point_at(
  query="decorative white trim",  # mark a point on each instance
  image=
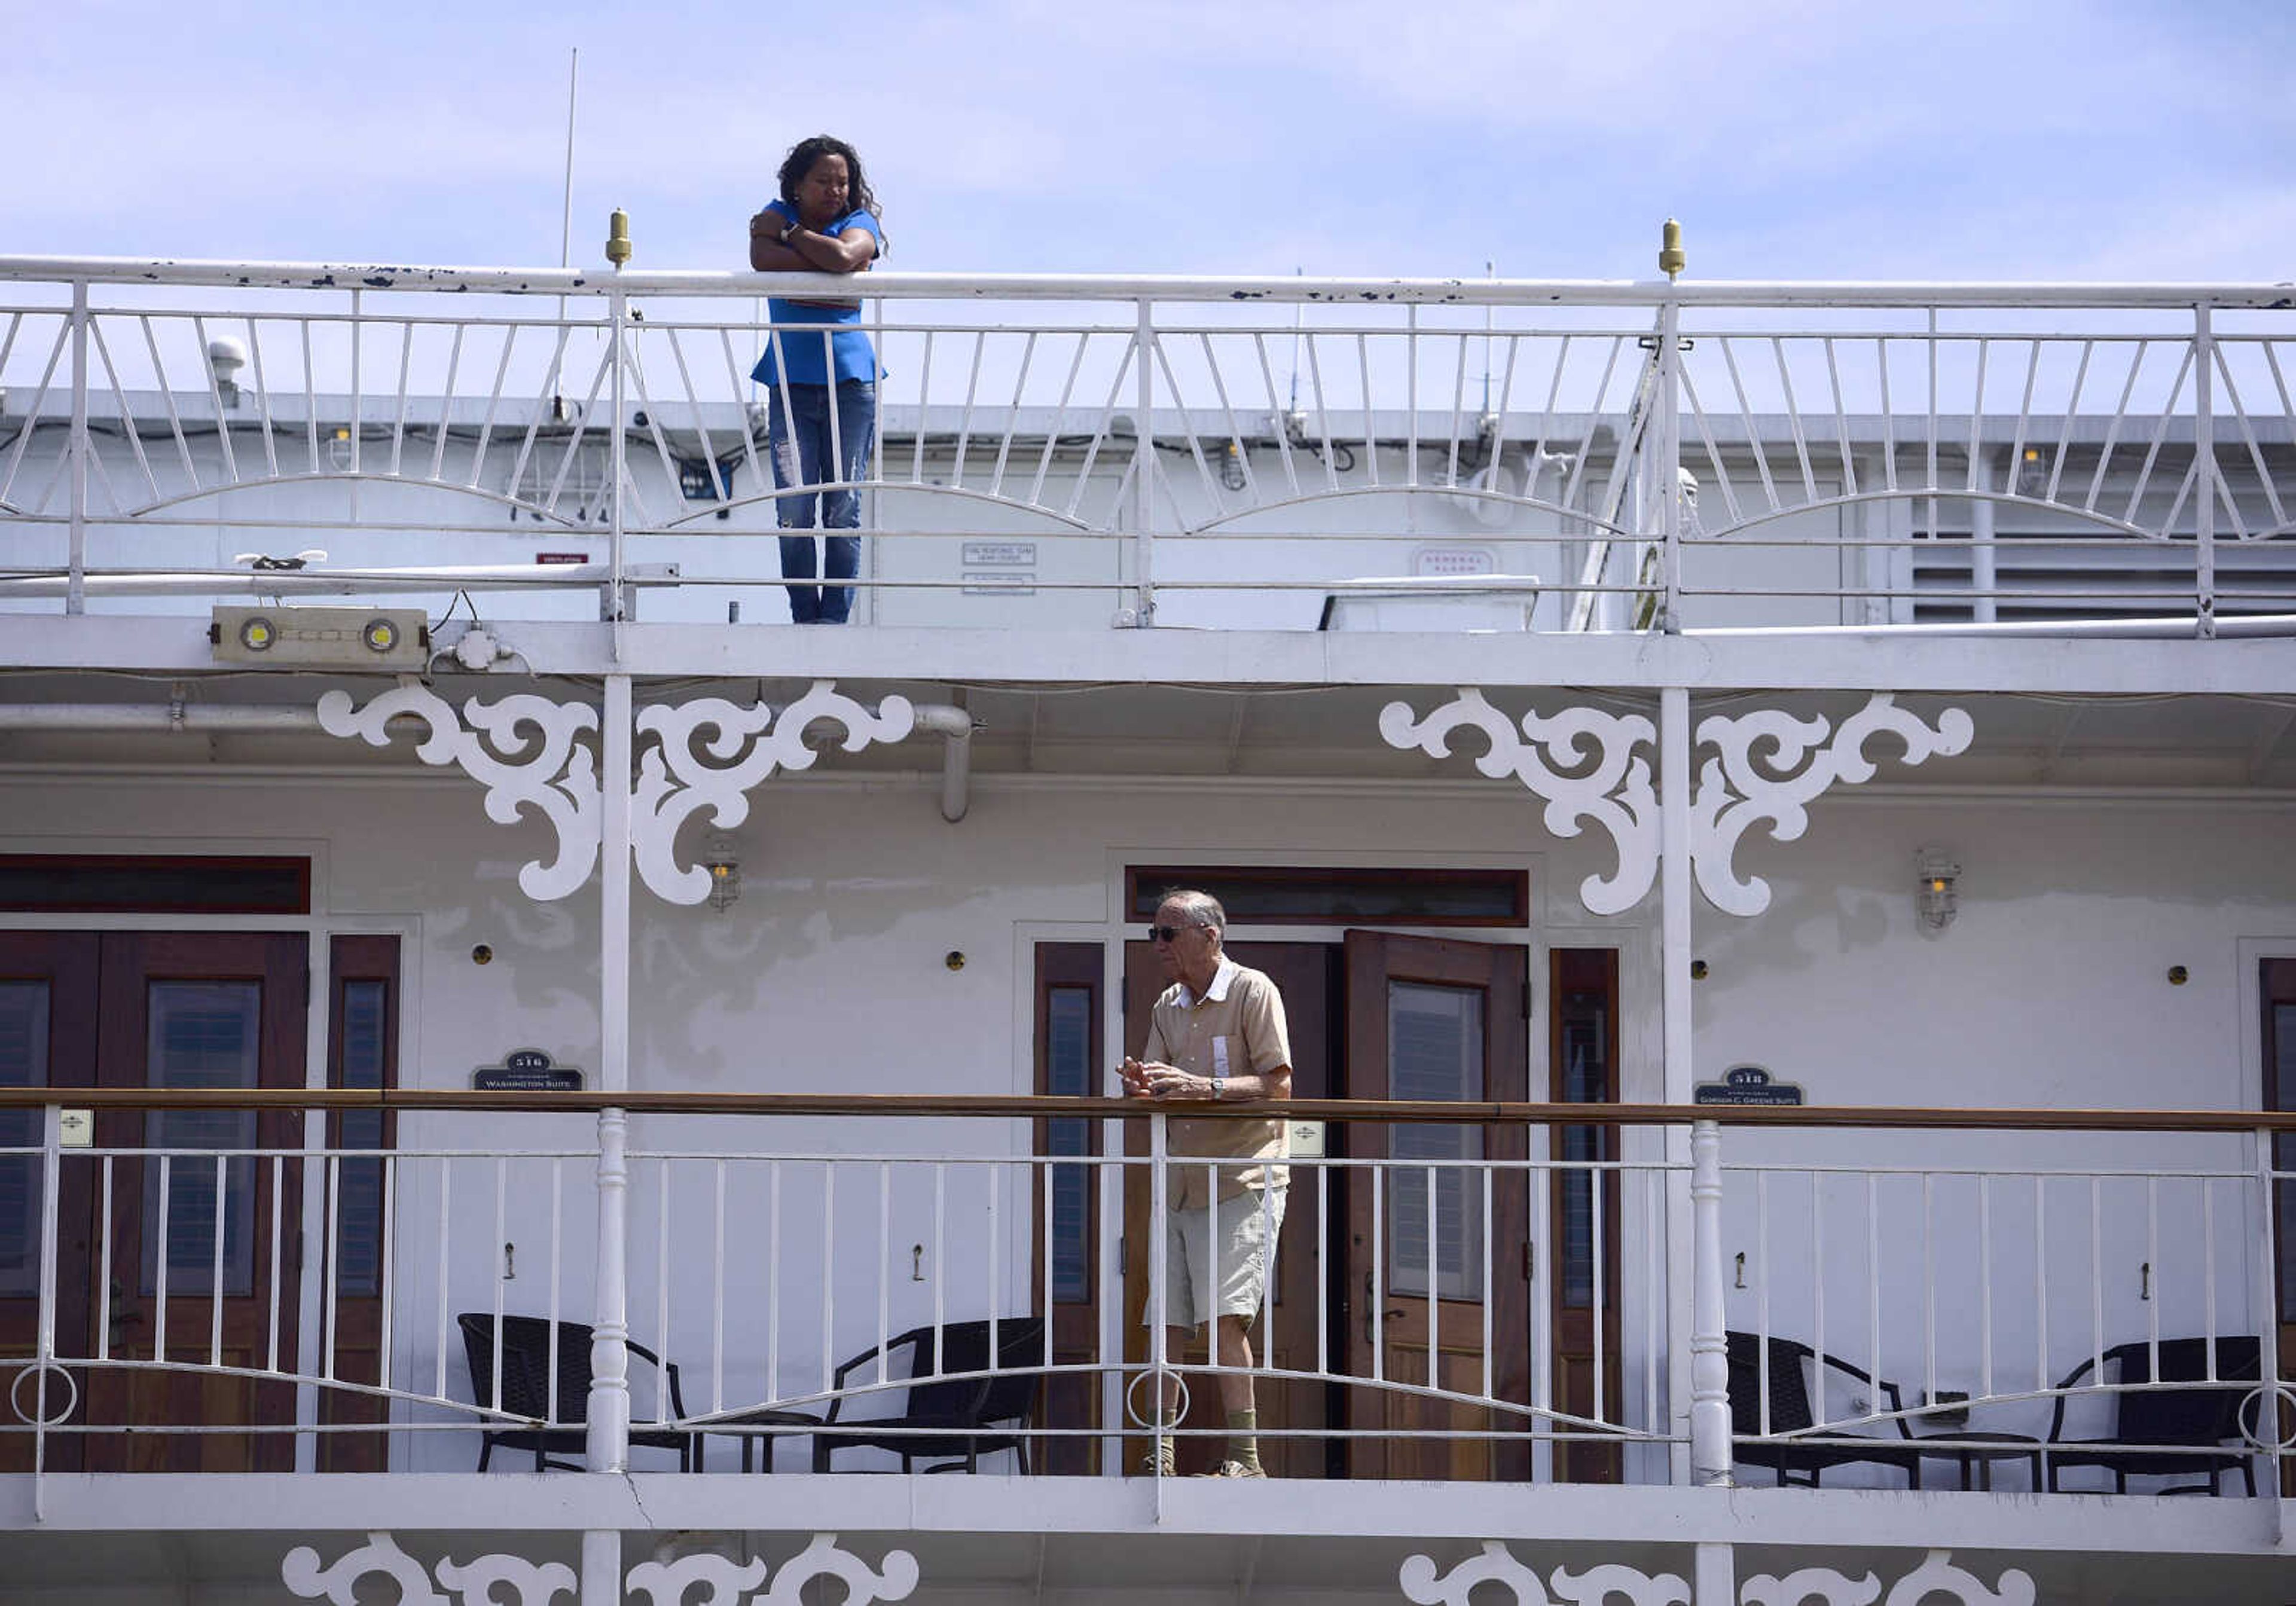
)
(1741, 788)
(526, 750)
(1820, 1585)
(548, 771)
(1605, 781)
(1598, 777)
(663, 1583)
(678, 779)
(1936, 1576)
(1498, 1565)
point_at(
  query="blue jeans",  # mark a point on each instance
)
(802, 453)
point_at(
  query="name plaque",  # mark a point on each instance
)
(1746, 1084)
(526, 1070)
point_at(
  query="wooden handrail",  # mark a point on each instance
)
(1007, 1106)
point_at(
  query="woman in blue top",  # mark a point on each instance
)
(822, 388)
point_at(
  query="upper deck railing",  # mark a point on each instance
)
(1570, 455)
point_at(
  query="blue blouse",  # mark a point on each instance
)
(801, 349)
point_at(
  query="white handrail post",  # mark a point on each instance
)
(2270, 1417)
(1144, 469)
(76, 584)
(1159, 1291)
(1709, 1366)
(45, 1343)
(2204, 470)
(1683, 1269)
(607, 1445)
(1670, 467)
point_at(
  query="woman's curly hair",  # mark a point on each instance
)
(799, 162)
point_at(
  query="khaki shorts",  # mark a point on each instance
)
(1244, 1235)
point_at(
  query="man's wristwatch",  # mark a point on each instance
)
(1219, 1088)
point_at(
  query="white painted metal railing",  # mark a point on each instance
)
(1197, 450)
(1988, 1298)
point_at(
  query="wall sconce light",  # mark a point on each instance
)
(1937, 877)
(725, 867)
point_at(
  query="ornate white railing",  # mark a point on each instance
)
(1653, 455)
(1922, 1315)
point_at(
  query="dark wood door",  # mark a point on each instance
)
(2278, 992)
(1583, 1255)
(1292, 1414)
(362, 1054)
(1433, 1260)
(203, 1253)
(47, 1038)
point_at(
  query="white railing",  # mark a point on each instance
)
(1586, 455)
(1871, 1321)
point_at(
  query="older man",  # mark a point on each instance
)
(1217, 1035)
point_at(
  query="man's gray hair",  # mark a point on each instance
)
(1202, 909)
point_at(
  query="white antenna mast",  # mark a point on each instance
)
(566, 216)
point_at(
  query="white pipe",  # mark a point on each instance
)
(283, 583)
(953, 725)
(2130, 629)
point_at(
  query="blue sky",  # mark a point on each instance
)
(2074, 139)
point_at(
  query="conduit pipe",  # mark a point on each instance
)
(953, 725)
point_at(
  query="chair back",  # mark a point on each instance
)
(2182, 1416)
(1790, 1407)
(526, 1366)
(965, 1347)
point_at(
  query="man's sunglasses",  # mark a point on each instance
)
(1167, 933)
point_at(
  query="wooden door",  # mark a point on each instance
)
(362, 1054)
(1303, 974)
(1439, 1020)
(203, 1256)
(1583, 1283)
(1065, 1270)
(2278, 992)
(47, 1038)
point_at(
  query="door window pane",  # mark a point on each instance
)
(1068, 1074)
(1586, 1079)
(1435, 1051)
(23, 1063)
(202, 1034)
(358, 1224)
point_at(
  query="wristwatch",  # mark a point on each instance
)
(1219, 1088)
(789, 228)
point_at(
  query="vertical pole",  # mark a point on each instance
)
(1669, 466)
(1709, 1366)
(609, 1442)
(1674, 994)
(616, 601)
(1714, 1580)
(602, 1567)
(1158, 1291)
(2271, 1421)
(1143, 471)
(76, 584)
(52, 1153)
(2204, 468)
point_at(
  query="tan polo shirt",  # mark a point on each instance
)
(1236, 1029)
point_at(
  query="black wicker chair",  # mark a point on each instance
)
(1807, 1453)
(2163, 1432)
(526, 1390)
(944, 1418)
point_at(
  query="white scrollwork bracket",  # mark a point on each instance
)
(523, 748)
(1768, 768)
(527, 751)
(1772, 765)
(683, 775)
(1937, 1575)
(823, 1558)
(1582, 762)
(301, 1573)
(1498, 1565)
(668, 1583)
(1810, 1587)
